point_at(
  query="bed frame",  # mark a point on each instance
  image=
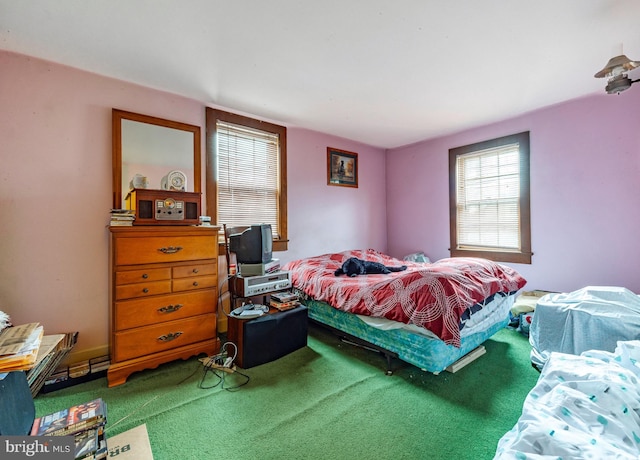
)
(355, 341)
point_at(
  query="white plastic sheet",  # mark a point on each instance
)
(592, 318)
(583, 407)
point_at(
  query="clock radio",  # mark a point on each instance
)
(164, 207)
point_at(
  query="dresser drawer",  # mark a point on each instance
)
(142, 312)
(196, 282)
(195, 270)
(139, 276)
(157, 249)
(142, 341)
(131, 291)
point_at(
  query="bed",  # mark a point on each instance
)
(583, 406)
(430, 315)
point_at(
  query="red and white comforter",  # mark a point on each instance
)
(433, 296)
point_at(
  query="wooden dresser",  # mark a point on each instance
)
(164, 296)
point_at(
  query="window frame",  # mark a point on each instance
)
(211, 186)
(523, 255)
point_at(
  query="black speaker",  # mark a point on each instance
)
(269, 337)
(192, 211)
(145, 211)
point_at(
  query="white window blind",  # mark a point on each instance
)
(247, 176)
(488, 198)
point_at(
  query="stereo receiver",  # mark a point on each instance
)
(258, 285)
(164, 207)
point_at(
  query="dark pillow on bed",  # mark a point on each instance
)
(354, 267)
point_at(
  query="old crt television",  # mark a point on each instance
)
(253, 246)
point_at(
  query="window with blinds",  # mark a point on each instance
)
(246, 173)
(248, 176)
(490, 199)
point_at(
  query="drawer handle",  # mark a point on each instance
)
(170, 249)
(145, 276)
(170, 308)
(169, 337)
(195, 270)
(195, 283)
(145, 290)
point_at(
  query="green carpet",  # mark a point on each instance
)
(329, 400)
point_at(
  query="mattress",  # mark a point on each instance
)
(484, 314)
(428, 353)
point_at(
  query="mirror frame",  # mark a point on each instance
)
(117, 117)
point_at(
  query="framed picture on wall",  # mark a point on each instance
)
(342, 167)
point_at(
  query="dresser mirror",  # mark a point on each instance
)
(146, 149)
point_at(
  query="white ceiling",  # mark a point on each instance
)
(386, 73)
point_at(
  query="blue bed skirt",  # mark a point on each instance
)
(428, 354)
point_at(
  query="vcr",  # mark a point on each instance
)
(257, 285)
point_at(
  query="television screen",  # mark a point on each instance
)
(253, 246)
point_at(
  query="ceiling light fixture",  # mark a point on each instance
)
(615, 70)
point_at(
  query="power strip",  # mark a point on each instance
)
(228, 369)
(218, 362)
(211, 360)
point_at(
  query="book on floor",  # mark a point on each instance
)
(86, 443)
(72, 420)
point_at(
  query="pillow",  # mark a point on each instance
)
(419, 257)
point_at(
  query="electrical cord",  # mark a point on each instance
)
(222, 292)
(111, 426)
(220, 365)
(141, 406)
(220, 375)
(223, 358)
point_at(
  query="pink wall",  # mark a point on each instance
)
(324, 218)
(55, 192)
(585, 192)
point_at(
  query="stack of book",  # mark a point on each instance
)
(90, 366)
(122, 217)
(284, 300)
(99, 364)
(26, 348)
(56, 379)
(53, 350)
(19, 346)
(85, 422)
(80, 372)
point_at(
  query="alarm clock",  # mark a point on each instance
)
(174, 180)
